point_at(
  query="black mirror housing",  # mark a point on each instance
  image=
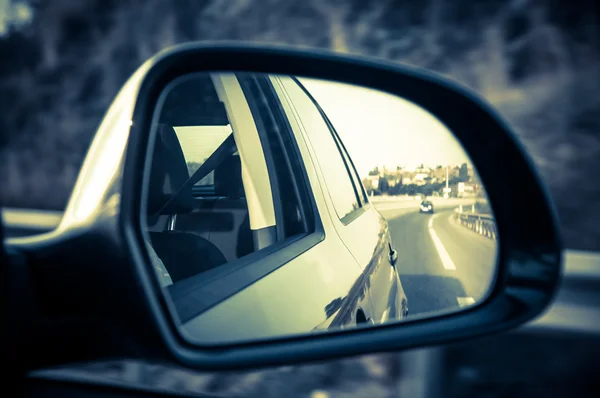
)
(530, 249)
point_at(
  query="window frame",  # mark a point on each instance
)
(357, 181)
(354, 214)
(274, 111)
(294, 162)
(252, 101)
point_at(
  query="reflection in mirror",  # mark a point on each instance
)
(280, 206)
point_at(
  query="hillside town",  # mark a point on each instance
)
(449, 181)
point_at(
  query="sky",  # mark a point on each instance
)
(379, 129)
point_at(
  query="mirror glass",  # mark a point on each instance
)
(280, 205)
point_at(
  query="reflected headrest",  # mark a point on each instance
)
(228, 178)
(169, 172)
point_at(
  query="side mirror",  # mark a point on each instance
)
(226, 237)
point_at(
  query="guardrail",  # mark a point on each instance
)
(483, 224)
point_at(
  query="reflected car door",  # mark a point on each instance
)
(382, 277)
(321, 287)
(364, 232)
(356, 304)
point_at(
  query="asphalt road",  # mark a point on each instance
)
(442, 265)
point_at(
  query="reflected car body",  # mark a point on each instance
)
(426, 207)
(342, 274)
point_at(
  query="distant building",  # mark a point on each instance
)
(371, 182)
(466, 189)
(421, 178)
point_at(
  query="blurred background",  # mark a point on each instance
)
(537, 62)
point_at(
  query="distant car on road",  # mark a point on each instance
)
(426, 207)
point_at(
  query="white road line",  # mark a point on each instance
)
(465, 301)
(444, 256)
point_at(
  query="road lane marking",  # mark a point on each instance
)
(465, 301)
(444, 256)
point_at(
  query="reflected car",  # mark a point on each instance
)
(233, 221)
(426, 207)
